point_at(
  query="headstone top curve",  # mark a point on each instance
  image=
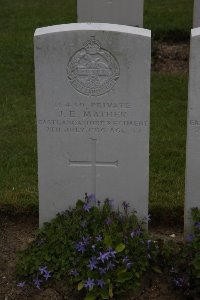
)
(94, 27)
(195, 32)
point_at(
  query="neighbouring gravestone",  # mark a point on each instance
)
(196, 13)
(192, 197)
(126, 12)
(92, 92)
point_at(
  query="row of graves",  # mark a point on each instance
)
(93, 109)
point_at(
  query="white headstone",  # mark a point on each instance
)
(92, 90)
(196, 14)
(126, 12)
(192, 197)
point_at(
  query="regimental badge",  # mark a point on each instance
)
(92, 70)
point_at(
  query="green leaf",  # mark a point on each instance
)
(137, 275)
(124, 277)
(121, 270)
(79, 204)
(157, 270)
(110, 290)
(90, 296)
(80, 285)
(105, 293)
(108, 240)
(120, 247)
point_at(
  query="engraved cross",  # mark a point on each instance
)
(93, 163)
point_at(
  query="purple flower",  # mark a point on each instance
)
(92, 263)
(86, 207)
(125, 205)
(106, 255)
(129, 265)
(178, 282)
(47, 275)
(103, 256)
(136, 232)
(126, 261)
(102, 271)
(149, 218)
(21, 284)
(110, 266)
(112, 253)
(74, 272)
(92, 198)
(85, 240)
(37, 282)
(100, 283)
(80, 247)
(89, 283)
(43, 270)
(99, 238)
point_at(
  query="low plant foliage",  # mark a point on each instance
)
(92, 247)
(182, 261)
(103, 252)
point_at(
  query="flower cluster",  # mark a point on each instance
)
(41, 275)
(101, 250)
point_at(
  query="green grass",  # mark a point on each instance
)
(167, 145)
(18, 153)
(169, 19)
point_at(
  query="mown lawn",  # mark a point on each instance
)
(18, 153)
(171, 19)
(167, 145)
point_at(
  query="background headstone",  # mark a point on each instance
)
(196, 13)
(126, 12)
(192, 197)
(92, 91)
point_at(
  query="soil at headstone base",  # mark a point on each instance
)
(16, 233)
(168, 57)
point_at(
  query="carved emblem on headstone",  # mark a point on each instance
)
(92, 70)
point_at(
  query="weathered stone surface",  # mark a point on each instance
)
(196, 13)
(92, 90)
(126, 12)
(192, 198)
